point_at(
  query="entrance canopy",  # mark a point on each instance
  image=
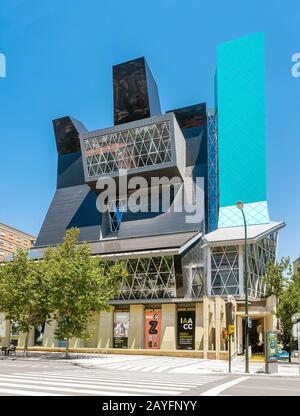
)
(236, 235)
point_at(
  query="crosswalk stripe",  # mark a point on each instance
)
(112, 378)
(27, 393)
(27, 389)
(94, 390)
(100, 382)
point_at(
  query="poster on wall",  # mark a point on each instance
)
(186, 330)
(39, 335)
(121, 326)
(152, 329)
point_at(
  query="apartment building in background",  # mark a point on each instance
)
(11, 239)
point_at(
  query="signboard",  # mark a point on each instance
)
(186, 330)
(152, 329)
(231, 329)
(271, 347)
(121, 326)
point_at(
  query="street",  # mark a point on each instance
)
(134, 376)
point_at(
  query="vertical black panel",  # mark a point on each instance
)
(134, 87)
(67, 131)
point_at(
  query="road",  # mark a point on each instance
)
(62, 378)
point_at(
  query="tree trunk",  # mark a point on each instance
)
(67, 349)
(26, 344)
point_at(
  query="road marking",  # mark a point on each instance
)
(102, 384)
(17, 392)
(26, 386)
(109, 378)
(221, 387)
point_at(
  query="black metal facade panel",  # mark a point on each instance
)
(70, 170)
(191, 116)
(71, 207)
(131, 92)
(146, 243)
(67, 131)
(153, 94)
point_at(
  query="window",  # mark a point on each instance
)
(116, 210)
(10, 236)
(2, 233)
(1, 243)
(129, 149)
(148, 278)
(225, 270)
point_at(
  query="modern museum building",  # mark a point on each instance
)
(171, 215)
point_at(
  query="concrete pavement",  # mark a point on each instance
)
(44, 374)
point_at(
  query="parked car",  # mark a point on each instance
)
(295, 354)
(282, 355)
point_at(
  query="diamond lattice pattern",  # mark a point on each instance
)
(213, 191)
(148, 278)
(129, 149)
(225, 270)
(259, 255)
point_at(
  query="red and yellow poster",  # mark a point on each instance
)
(152, 329)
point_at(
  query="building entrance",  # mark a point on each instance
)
(256, 336)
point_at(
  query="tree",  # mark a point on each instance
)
(274, 279)
(24, 293)
(288, 305)
(79, 286)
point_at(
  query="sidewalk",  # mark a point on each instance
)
(175, 365)
(159, 364)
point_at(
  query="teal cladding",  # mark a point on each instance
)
(241, 120)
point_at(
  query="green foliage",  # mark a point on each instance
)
(24, 292)
(288, 305)
(274, 279)
(79, 286)
(68, 285)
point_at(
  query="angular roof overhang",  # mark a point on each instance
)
(236, 235)
(162, 244)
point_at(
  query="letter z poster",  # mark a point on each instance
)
(152, 329)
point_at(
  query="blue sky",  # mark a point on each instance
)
(59, 58)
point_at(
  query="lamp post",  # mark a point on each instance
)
(240, 206)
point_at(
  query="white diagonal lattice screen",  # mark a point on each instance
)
(129, 149)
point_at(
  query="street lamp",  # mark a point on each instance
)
(240, 206)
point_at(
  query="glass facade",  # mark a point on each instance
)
(259, 255)
(128, 149)
(225, 270)
(148, 278)
(225, 266)
(212, 166)
(116, 210)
